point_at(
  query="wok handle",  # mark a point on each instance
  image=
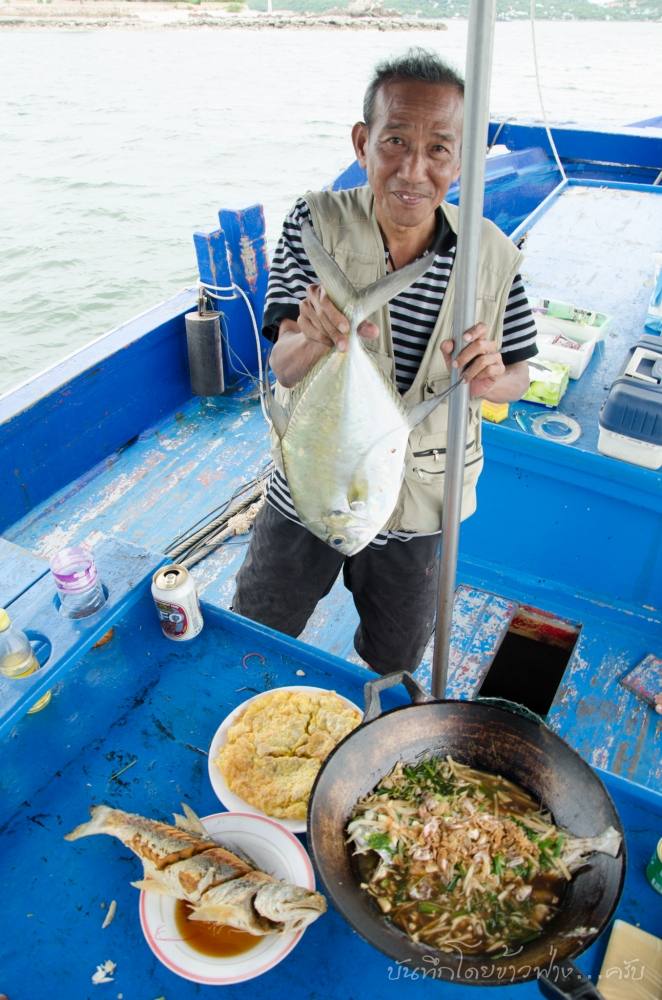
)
(570, 983)
(371, 691)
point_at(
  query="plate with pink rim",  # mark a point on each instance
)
(272, 849)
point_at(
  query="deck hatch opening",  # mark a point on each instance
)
(531, 659)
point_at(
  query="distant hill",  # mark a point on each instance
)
(507, 10)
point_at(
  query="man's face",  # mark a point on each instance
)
(411, 152)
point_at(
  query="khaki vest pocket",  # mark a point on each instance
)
(421, 500)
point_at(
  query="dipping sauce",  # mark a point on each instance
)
(208, 938)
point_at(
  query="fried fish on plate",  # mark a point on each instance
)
(184, 862)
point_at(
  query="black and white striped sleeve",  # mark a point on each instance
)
(289, 275)
(519, 328)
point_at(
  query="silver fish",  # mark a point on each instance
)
(344, 433)
(185, 862)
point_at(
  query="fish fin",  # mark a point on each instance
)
(239, 853)
(276, 412)
(380, 292)
(191, 822)
(95, 825)
(151, 885)
(422, 410)
(337, 285)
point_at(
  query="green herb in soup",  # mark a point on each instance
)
(461, 859)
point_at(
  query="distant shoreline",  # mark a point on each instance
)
(94, 14)
(85, 15)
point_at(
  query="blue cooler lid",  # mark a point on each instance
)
(634, 404)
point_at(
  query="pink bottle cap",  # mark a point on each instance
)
(73, 568)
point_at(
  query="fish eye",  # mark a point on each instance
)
(358, 506)
(337, 540)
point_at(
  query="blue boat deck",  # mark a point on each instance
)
(109, 448)
(581, 250)
(585, 250)
(131, 726)
(172, 476)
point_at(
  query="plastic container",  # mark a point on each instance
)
(567, 334)
(78, 585)
(631, 416)
(654, 315)
(548, 381)
(17, 657)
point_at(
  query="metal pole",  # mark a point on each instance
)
(474, 141)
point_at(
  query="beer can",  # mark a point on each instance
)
(654, 868)
(176, 602)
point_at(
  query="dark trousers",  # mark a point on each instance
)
(287, 570)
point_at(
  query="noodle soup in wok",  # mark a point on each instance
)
(463, 860)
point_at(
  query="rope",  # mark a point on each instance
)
(187, 543)
(498, 133)
(540, 98)
(238, 524)
(212, 292)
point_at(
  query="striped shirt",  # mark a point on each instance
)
(413, 314)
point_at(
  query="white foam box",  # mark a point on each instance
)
(628, 449)
(582, 327)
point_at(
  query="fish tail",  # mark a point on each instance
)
(336, 284)
(375, 296)
(342, 292)
(98, 823)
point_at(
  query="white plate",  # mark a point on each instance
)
(224, 793)
(273, 850)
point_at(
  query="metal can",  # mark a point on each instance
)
(654, 868)
(177, 602)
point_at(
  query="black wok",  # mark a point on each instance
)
(496, 740)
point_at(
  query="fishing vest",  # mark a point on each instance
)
(346, 225)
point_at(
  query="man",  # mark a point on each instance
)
(409, 144)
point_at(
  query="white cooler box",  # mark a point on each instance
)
(631, 415)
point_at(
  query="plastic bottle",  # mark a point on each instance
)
(17, 658)
(79, 588)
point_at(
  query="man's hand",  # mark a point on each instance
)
(320, 321)
(318, 328)
(482, 367)
(479, 361)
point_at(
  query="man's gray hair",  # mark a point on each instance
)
(417, 64)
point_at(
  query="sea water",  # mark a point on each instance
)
(118, 144)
